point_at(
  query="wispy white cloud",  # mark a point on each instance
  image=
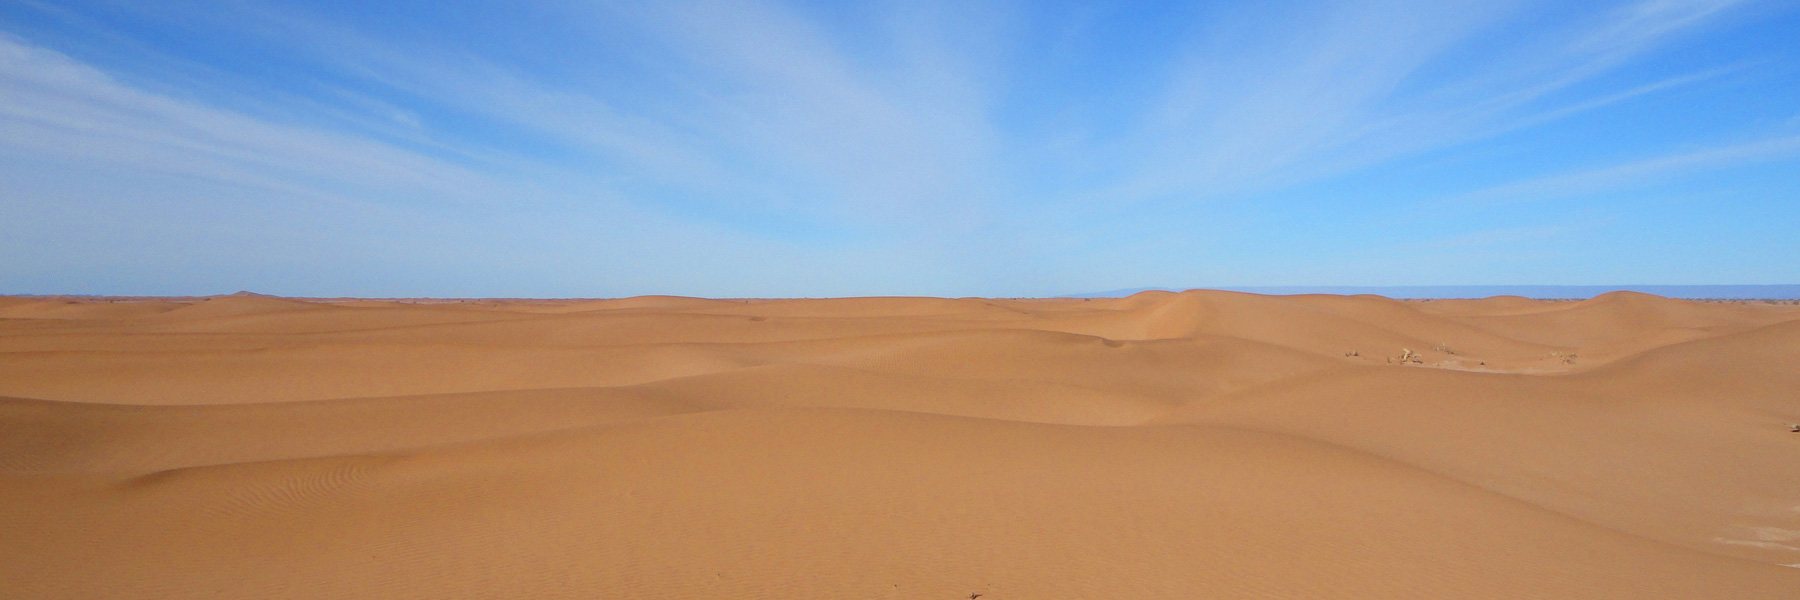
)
(51, 105)
(1562, 112)
(1637, 26)
(774, 111)
(916, 133)
(760, 107)
(1356, 86)
(1636, 173)
(894, 137)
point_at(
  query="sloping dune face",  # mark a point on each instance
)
(1193, 445)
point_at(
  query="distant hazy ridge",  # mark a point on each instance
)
(1724, 292)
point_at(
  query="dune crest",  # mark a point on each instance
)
(1163, 445)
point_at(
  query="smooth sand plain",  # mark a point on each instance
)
(1193, 445)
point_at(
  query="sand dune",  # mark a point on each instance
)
(1195, 445)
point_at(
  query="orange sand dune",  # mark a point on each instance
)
(1194, 445)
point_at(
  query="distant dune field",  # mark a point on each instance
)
(1194, 445)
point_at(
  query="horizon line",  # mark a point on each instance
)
(1398, 292)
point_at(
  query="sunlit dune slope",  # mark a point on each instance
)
(1194, 445)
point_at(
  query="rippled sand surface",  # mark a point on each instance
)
(1193, 445)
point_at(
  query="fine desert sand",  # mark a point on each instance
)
(1194, 445)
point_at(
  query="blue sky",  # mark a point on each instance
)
(448, 148)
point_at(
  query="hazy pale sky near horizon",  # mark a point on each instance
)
(561, 148)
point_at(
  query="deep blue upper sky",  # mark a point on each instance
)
(855, 148)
